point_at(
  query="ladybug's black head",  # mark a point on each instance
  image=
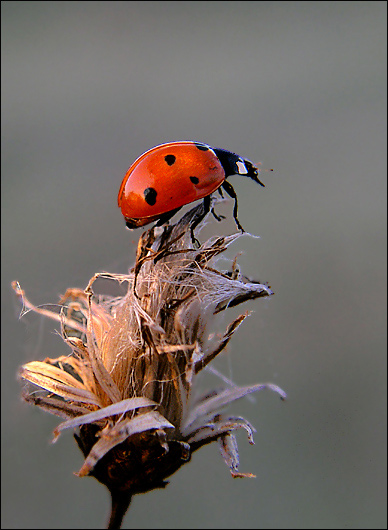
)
(235, 165)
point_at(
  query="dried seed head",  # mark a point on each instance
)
(127, 384)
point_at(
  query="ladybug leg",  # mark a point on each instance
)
(167, 216)
(206, 210)
(230, 191)
(216, 216)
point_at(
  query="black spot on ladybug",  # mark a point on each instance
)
(201, 147)
(194, 180)
(170, 159)
(150, 196)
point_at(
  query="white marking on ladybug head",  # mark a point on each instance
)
(242, 170)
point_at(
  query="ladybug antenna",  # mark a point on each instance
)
(257, 166)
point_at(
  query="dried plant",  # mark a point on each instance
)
(127, 385)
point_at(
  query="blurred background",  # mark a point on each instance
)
(299, 86)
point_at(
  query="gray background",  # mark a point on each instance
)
(89, 86)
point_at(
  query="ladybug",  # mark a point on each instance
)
(168, 176)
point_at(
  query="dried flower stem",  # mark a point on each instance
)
(128, 382)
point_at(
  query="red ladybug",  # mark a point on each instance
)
(168, 176)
